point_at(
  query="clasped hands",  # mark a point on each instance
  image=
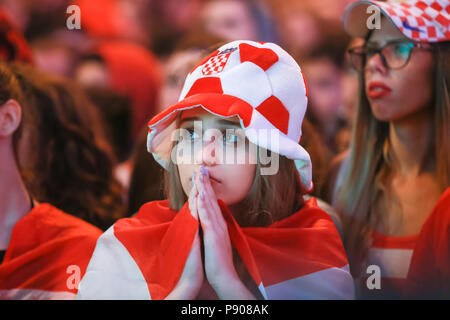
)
(217, 267)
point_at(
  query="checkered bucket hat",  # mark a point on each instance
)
(418, 20)
(261, 84)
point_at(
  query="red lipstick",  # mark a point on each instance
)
(377, 90)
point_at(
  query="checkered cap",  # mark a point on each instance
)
(258, 82)
(418, 20)
(215, 64)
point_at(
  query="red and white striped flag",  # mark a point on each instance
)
(299, 257)
(47, 255)
(429, 273)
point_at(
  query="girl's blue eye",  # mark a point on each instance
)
(402, 50)
(192, 134)
(231, 138)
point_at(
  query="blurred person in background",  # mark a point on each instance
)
(188, 52)
(169, 21)
(324, 69)
(41, 246)
(239, 20)
(133, 71)
(61, 118)
(18, 12)
(55, 56)
(37, 18)
(329, 10)
(13, 45)
(129, 69)
(65, 156)
(392, 187)
(115, 109)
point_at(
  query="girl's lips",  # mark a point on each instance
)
(208, 174)
(213, 179)
(377, 90)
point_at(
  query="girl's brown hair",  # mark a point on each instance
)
(263, 204)
(10, 89)
(368, 169)
(67, 160)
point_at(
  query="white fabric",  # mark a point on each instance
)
(328, 284)
(35, 294)
(112, 273)
(393, 263)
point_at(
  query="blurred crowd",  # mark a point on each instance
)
(128, 61)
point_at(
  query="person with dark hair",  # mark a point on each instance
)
(43, 251)
(324, 70)
(129, 69)
(239, 19)
(68, 160)
(169, 22)
(392, 187)
(13, 45)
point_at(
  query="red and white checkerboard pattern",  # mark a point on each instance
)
(428, 21)
(418, 20)
(215, 64)
(269, 87)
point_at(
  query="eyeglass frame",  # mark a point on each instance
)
(375, 50)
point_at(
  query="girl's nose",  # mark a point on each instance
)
(208, 155)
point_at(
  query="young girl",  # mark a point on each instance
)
(235, 225)
(43, 250)
(392, 187)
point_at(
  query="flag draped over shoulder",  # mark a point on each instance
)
(299, 257)
(429, 273)
(47, 255)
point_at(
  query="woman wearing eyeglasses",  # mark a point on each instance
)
(392, 187)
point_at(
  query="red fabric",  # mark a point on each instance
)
(429, 273)
(204, 85)
(306, 86)
(262, 57)
(205, 59)
(221, 104)
(98, 17)
(215, 64)
(13, 46)
(392, 242)
(133, 71)
(275, 112)
(43, 245)
(101, 18)
(159, 241)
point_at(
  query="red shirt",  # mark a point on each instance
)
(47, 255)
(415, 266)
(143, 257)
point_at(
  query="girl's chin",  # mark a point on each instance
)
(382, 111)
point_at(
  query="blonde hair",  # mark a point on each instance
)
(368, 168)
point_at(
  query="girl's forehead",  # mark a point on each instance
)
(203, 115)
